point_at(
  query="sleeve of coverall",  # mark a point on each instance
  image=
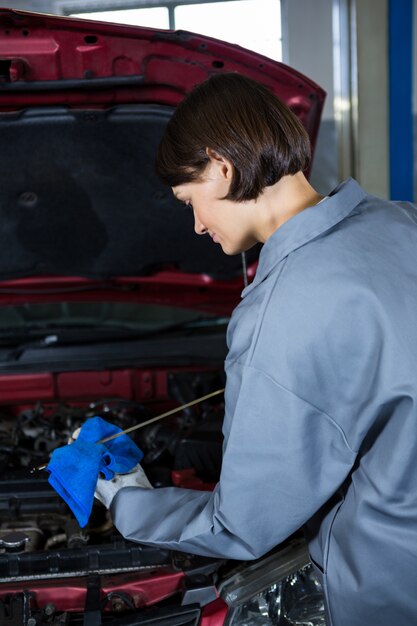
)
(283, 458)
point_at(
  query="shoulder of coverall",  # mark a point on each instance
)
(305, 226)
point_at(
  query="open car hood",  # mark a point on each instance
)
(83, 107)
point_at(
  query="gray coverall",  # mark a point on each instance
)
(321, 418)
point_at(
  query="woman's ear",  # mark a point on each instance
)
(222, 165)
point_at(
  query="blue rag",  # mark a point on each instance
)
(74, 468)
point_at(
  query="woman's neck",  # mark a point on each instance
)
(280, 202)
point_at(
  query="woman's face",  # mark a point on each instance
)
(229, 224)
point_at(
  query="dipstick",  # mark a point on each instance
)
(149, 421)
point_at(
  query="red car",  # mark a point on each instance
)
(110, 305)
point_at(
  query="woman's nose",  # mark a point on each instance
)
(199, 228)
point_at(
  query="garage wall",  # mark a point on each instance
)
(308, 47)
(40, 6)
(346, 42)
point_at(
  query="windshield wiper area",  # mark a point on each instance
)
(44, 342)
(39, 338)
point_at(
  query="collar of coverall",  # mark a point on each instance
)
(307, 225)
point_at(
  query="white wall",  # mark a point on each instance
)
(356, 143)
(309, 45)
(308, 48)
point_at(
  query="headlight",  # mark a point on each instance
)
(279, 590)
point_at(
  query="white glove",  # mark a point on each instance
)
(107, 489)
(74, 435)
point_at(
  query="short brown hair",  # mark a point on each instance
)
(242, 121)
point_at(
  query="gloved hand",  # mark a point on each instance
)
(73, 469)
(107, 489)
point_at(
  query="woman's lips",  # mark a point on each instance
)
(215, 238)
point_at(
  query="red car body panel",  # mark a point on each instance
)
(147, 385)
(70, 594)
(198, 291)
(214, 614)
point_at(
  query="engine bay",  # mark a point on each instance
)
(48, 564)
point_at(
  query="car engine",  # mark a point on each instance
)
(40, 539)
